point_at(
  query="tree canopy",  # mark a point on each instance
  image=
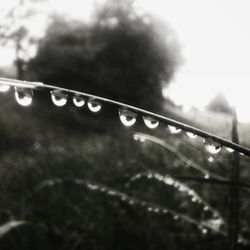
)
(120, 55)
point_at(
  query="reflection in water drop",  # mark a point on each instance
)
(94, 105)
(174, 130)
(191, 135)
(127, 117)
(23, 96)
(150, 122)
(4, 88)
(212, 146)
(78, 100)
(230, 150)
(59, 98)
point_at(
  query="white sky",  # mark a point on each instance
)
(215, 40)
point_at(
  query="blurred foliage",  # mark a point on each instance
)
(121, 55)
(220, 104)
(15, 30)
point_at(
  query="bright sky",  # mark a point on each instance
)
(215, 40)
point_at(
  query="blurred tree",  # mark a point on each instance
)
(15, 30)
(121, 55)
(220, 104)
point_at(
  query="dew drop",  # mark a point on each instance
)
(4, 88)
(191, 135)
(94, 105)
(58, 97)
(206, 208)
(128, 118)
(174, 130)
(150, 209)
(139, 138)
(150, 122)
(78, 100)
(23, 96)
(211, 158)
(207, 176)
(136, 137)
(212, 147)
(230, 150)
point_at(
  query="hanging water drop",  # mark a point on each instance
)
(150, 122)
(174, 130)
(23, 96)
(191, 135)
(212, 146)
(230, 150)
(210, 158)
(4, 88)
(127, 117)
(94, 105)
(59, 98)
(207, 176)
(78, 100)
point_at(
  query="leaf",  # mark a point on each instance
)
(7, 227)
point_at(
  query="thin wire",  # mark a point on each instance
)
(183, 126)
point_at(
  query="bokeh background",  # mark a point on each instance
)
(74, 179)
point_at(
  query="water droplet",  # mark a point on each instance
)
(4, 88)
(94, 105)
(139, 138)
(206, 208)
(136, 137)
(23, 96)
(194, 199)
(127, 117)
(174, 130)
(150, 122)
(131, 202)
(156, 210)
(210, 158)
(78, 100)
(207, 176)
(150, 209)
(191, 135)
(212, 147)
(230, 150)
(176, 217)
(204, 231)
(59, 98)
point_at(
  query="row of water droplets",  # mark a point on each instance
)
(133, 202)
(168, 180)
(128, 118)
(59, 98)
